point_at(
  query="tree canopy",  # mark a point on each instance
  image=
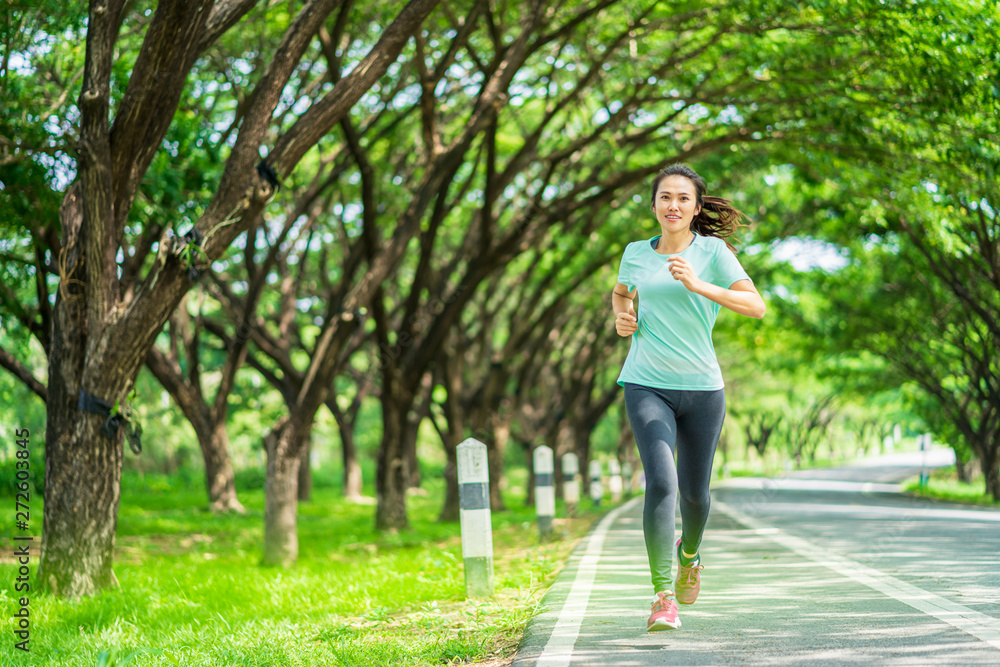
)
(423, 203)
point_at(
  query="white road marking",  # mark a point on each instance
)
(968, 620)
(794, 484)
(887, 511)
(558, 650)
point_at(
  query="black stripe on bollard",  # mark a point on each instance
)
(474, 496)
(543, 479)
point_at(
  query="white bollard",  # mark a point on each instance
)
(545, 493)
(924, 441)
(571, 487)
(477, 529)
(615, 480)
(596, 488)
(627, 478)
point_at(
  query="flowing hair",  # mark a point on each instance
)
(718, 217)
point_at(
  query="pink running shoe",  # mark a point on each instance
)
(688, 582)
(664, 616)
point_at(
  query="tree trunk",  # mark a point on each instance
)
(219, 475)
(392, 475)
(962, 466)
(529, 455)
(410, 430)
(451, 435)
(494, 461)
(209, 427)
(991, 470)
(352, 469)
(450, 511)
(559, 480)
(305, 473)
(82, 466)
(281, 541)
(82, 490)
(582, 449)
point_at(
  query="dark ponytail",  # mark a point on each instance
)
(718, 217)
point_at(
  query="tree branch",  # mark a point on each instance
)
(328, 111)
(8, 361)
(224, 15)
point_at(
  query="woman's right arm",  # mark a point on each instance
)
(621, 303)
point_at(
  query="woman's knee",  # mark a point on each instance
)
(698, 502)
(661, 486)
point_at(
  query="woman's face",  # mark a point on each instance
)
(675, 204)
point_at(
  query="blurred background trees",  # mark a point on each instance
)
(423, 251)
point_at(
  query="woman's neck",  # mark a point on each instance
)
(673, 243)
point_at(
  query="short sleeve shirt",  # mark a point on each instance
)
(672, 348)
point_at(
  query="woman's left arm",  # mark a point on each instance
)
(741, 297)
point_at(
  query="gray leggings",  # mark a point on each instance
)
(660, 418)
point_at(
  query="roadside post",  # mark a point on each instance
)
(596, 488)
(925, 444)
(571, 486)
(627, 479)
(545, 493)
(477, 530)
(615, 480)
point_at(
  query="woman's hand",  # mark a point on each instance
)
(681, 270)
(626, 323)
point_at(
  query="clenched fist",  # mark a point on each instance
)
(626, 323)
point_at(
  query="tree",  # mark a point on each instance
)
(104, 322)
(937, 333)
(759, 427)
(207, 417)
(531, 122)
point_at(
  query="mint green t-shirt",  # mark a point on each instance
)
(672, 348)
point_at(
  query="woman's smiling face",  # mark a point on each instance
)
(676, 203)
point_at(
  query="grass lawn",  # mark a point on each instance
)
(192, 591)
(943, 484)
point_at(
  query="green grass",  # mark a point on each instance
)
(943, 484)
(193, 593)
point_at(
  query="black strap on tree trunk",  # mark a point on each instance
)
(109, 429)
(193, 236)
(268, 173)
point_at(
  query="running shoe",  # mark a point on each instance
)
(664, 616)
(688, 582)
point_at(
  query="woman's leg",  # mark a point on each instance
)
(699, 423)
(655, 429)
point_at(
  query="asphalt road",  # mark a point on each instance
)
(831, 567)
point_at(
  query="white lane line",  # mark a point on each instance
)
(968, 620)
(558, 650)
(794, 484)
(889, 511)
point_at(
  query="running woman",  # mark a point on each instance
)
(673, 385)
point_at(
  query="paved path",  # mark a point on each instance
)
(832, 567)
